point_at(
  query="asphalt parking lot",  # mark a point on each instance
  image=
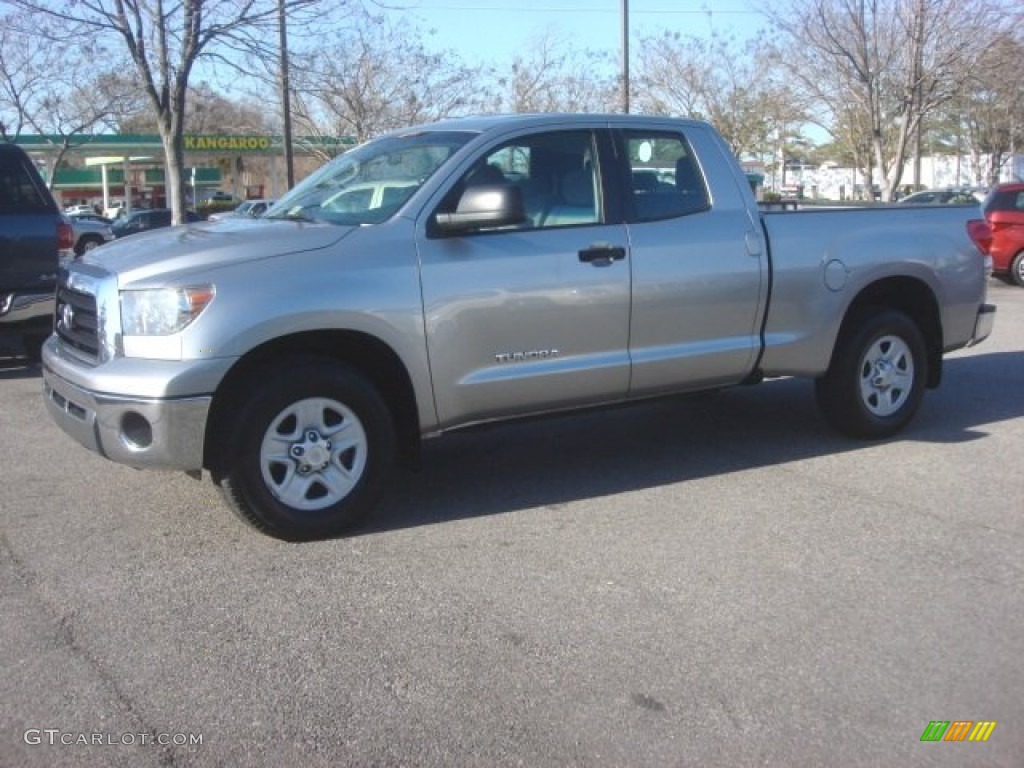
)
(712, 581)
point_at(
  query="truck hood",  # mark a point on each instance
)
(162, 252)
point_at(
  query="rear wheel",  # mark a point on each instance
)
(87, 243)
(1017, 269)
(310, 450)
(875, 382)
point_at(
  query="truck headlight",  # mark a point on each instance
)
(163, 311)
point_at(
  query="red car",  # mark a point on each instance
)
(1004, 209)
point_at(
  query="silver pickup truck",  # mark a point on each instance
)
(485, 269)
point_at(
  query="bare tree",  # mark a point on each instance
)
(846, 122)
(63, 90)
(553, 76)
(208, 111)
(720, 81)
(128, 110)
(674, 73)
(783, 114)
(163, 41)
(893, 61)
(69, 109)
(25, 69)
(378, 75)
(990, 110)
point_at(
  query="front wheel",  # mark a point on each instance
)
(309, 453)
(875, 382)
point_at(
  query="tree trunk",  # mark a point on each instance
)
(895, 171)
(172, 137)
(878, 147)
(174, 161)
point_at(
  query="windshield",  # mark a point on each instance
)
(368, 184)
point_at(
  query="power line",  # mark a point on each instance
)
(550, 9)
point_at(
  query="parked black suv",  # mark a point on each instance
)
(34, 236)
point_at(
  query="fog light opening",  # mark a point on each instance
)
(136, 432)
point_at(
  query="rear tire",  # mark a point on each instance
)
(87, 243)
(875, 382)
(1017, 269)
(309, 451)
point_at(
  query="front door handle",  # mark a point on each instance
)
(602, 254)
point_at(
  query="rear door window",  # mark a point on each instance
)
(1006, 200)
(665, 178)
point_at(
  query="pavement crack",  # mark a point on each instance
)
(66, 636)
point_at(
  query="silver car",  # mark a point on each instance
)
(91, 231)
(250, 208)
(947, 196)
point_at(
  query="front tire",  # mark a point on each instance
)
(309, 451)
(875, 382)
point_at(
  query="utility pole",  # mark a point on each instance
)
(625, 57)
(286, 105)
(917, 95)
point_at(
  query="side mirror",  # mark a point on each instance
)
(484, 205)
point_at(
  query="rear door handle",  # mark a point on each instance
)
(602, 254)
(753, 243)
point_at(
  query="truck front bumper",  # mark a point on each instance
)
(166, 432)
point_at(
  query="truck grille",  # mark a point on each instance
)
(76, 320)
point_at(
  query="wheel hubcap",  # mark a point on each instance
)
(886, 376)
(313, 453)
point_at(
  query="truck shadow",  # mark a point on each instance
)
(545, 463)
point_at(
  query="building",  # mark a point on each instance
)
(100, 169)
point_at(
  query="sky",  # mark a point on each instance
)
(482, 31)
